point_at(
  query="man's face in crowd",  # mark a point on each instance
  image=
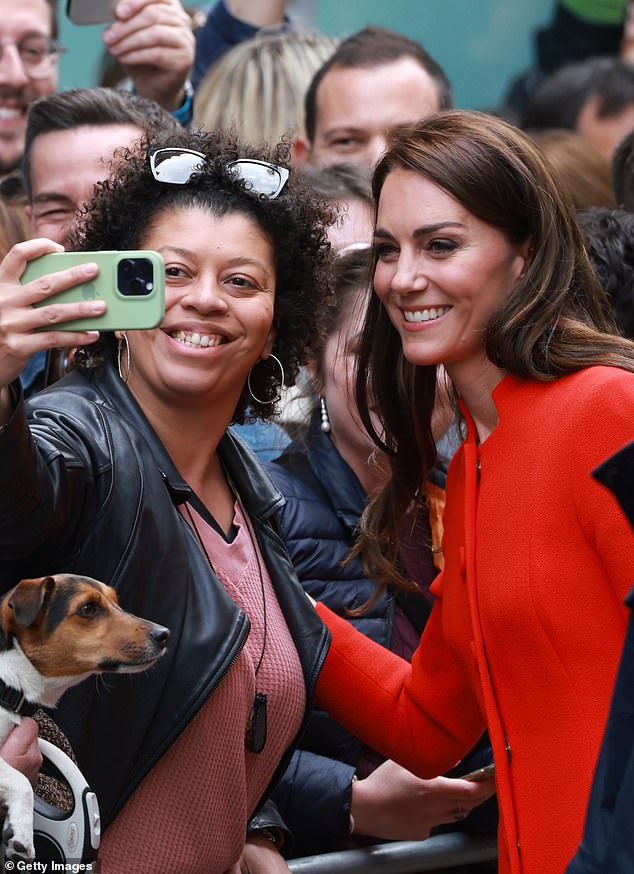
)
(606, 132)
(65, 167)
(357, 106)
(18, 19)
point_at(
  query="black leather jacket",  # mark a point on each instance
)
(87, 487)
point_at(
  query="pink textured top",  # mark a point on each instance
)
(190, 813)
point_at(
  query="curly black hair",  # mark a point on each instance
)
(609, 239)
(125, 206)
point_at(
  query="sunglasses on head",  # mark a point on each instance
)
(177, 167)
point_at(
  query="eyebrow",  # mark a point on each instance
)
(47, 196)
(424, 230)
(176, 250)
(29, 33)
(342, 129)
(187, 253)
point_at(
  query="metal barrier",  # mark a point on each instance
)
(402, 857)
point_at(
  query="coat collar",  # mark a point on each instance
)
(260, 496)
(503, 393)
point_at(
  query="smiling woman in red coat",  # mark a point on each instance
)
(480, 268)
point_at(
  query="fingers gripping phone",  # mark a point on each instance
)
(480, 774)
(131, 283)
(91, 11)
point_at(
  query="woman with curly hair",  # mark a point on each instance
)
(125, 470)
(480, 267)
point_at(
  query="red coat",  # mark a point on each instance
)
(527, 629)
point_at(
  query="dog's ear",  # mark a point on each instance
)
(28, 599)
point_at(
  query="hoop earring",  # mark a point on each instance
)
(325, 420)
(120, 341)
(279, 391)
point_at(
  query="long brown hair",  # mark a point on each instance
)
(555, 320)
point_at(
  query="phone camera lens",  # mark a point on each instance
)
(135, 277)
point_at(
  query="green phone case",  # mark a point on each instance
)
(125, 311)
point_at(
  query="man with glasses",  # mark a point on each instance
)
(152, 39)
(28, 69)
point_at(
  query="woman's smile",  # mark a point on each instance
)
(200, 341)
(198, 335)
(425, 314)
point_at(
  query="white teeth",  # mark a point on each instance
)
(196, 339)
(5, 112)
(425, 315)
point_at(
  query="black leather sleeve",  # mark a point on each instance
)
(269, 817)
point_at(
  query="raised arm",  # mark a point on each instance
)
(21, 334)
(230, 22)
(424, 715)
(154, 42)
(260, 13)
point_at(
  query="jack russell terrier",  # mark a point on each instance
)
(54, 632)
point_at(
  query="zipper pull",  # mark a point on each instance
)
(478, 468)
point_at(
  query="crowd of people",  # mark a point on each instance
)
(373, 469)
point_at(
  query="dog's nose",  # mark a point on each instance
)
(160, 636)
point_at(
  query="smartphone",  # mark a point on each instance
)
(131, 283)
(480, 774)
(91, 11)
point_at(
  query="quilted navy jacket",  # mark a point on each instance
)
(324, 501)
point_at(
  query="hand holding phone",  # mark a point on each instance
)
(480, 774)
(20, 338)
(131, 283)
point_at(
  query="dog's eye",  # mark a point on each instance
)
(89, 609)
